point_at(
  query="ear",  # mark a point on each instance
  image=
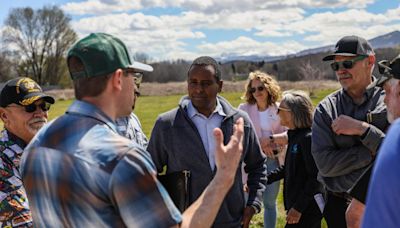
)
(371, 60)
(220, 83)
(3, 115)
(116, 79)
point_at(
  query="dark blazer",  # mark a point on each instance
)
(176, 143)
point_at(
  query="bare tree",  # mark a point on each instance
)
(308, 72)
(141, 57)
(41, 38)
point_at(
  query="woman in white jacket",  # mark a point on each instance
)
(261, 95)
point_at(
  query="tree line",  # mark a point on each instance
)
(34, 44)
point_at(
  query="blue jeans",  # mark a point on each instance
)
(270, 195)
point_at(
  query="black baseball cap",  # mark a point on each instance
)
(388, 70)
(22, 91)
(351, 46)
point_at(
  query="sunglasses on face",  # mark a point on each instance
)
(33, 107)
(347, 64)
(282, 109)
(253, 90)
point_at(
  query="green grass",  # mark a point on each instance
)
(149, 107)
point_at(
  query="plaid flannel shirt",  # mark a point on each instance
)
(78, 172)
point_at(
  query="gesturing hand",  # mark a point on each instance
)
(227, 157)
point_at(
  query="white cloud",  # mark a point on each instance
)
(165, 36)
(206, 6)
(394, 14)
(248, 46)
(101, 6)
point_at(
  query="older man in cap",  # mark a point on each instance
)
(23, 110)
(383, 198)
(348, 125)
(79, 172)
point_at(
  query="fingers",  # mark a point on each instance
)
(219, 138)
(269, 153)
(238, 129)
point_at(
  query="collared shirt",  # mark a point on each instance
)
(205, 127)
(79, 172)
(131, 128)
(14, 208)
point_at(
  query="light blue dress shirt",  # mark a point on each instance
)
(205, 127)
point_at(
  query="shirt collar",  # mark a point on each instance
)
(192, 111)
(15, 139)
(86, 109)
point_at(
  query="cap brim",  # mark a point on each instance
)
(36, 96)
(332, 56)
(141, 66)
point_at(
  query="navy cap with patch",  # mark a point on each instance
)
(22, 91)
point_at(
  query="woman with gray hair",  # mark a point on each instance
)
(302, 193)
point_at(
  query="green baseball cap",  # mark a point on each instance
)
(102, 54)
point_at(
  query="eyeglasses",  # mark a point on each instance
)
(347, 64)
(283, 109)
(253, 90)
(33, 107)
(136, 75)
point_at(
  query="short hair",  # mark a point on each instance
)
(86, 87)
(270, 84)
(207, 61)
(300, 106)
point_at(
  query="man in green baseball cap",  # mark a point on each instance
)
(79, 172)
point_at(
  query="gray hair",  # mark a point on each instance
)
(301, 107)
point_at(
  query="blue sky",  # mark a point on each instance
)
(185, 29)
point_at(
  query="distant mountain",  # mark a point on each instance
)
(225, 58)
(384, 41)
(388, 40)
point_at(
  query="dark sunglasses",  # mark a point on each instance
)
(347, 64)
(33, 107)
(253, 90)
(282, 109)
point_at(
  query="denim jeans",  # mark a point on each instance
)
(270, 195)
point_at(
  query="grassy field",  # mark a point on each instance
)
(149, 107)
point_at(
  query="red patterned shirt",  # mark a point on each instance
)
(14, 208)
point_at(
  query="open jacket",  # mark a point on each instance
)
(299, 172)
(176, 143)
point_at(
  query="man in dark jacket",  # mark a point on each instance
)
(348, 126)
(182, 140)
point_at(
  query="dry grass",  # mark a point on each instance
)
(174, 88)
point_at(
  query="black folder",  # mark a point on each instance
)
(177, 185)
